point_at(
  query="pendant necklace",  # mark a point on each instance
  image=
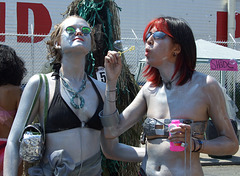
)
(168, 84)
(73, 94)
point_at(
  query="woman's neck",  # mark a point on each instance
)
(166, 71)
(73, 67)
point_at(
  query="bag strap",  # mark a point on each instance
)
(35, 99)
(46, 101)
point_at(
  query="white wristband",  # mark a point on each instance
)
(109, 120)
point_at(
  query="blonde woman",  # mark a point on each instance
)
(74, 132)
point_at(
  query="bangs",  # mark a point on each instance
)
(160, 24)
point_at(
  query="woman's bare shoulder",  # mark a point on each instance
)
(212, 83)
(10, 92)
(204, 80)
(148, 88)
(211, 87)
(9, 88)
(32, 84)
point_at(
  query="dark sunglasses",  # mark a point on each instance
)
(84, 29)
(156, 35)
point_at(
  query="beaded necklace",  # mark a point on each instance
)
(74, 94)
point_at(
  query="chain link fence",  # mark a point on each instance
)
(34, 54)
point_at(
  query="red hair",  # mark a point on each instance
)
(160, 24)
(181, 33)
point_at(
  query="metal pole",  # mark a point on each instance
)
(32, 50)
(223, 78)
(231, 36)
(136, 38)
(231, 20)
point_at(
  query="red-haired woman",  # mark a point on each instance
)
(174, 90)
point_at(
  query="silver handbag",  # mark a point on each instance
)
(32, 140)
(32, 143)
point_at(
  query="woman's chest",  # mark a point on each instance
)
(182, 101)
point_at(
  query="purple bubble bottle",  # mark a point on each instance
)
(175, 146)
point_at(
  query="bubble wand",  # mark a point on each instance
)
(118, 44)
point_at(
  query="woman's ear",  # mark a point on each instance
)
(177, 48)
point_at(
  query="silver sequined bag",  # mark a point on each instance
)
(32, 140)
(32, 143)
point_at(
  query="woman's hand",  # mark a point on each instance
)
(178, 135)
(113, 66)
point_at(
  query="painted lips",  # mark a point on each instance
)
(146, 52)
(78, 39)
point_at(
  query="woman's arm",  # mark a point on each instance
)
(11, 157)
(115, 124)
(227, 142)
(114, 150)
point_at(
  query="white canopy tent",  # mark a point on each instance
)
(209, 50)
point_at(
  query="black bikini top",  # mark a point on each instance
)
(61, 117)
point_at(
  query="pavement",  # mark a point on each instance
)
(209, 161)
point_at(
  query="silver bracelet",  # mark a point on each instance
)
(110, 100)
(111, 90)
(109, 120)
(108, 91)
